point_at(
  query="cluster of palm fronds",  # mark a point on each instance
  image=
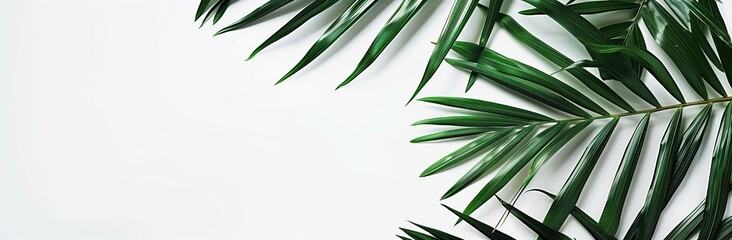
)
(511, 138)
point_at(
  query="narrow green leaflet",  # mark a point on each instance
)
(406, 11)
(440, 235)
(403, 237)
(580, 64)
(487, 107)
(483, 228)
(530, 89)
(459, 16)
(691, 222)
(202, 8)
(724, 50)
(698, 33)
(449, 134)
(464, 152)
(568, 196)
(335, 31)
(417, 235)
(313, 9)
(725, 231)
(221, 10)
(214, 8)
(583, 30)
(721, 171)
(617, 30)
(610, 219)
(583, 218)
(491, 159)
(647, 60)
(548, 152)
(706, 17)
(524, 71)
(669, 34)
(692, 139)
(635, 38)
(591, 7)
(544, 232)
(688, 226)
(266, 8)
(475, 121)
(492, 13)
(513, 166)
(661, 177)
(556, 57)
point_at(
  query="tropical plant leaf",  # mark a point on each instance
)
(493, 12)
(724, 50)
(440, 235)
(221, 10)
(463, 153)
(556, 57)
(456, 21)
(592, 7)
(417, 235)
(264, 10)
(688, 226)
(487, 107)
(568, 196)
(212, 12)
(527, 88)
(483, 228)
(617, 30)
(404, 13)
(346, 20)
(721, 171)
(648, 61)
(543, 157)
(449, 134)
(513, 166)
(584, 31)
(706, 17)
(610, 219)
(690, 144)
(202, 8)
(313, 9)
(518, 69)
(583, 218)
(661, 177)
(509, 137)
(544, 231)
(669, 34)
(491, 159)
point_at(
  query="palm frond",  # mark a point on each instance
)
(456, 21)
(679, 146)
(505, 139)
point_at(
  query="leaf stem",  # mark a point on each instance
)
(636, 19)
(652, 110)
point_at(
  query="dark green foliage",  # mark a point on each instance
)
(503, 139)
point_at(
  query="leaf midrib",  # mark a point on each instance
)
(651, 110)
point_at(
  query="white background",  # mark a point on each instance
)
(122, 120)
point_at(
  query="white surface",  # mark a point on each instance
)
(121, 120)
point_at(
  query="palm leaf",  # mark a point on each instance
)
(504, 139)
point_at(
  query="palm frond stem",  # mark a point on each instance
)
(651, 110)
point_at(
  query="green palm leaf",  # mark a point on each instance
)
(721, 171)
(459, 16)
(503, 139)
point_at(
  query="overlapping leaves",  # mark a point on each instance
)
(404, 13)
(618, 51)
(507, 139)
